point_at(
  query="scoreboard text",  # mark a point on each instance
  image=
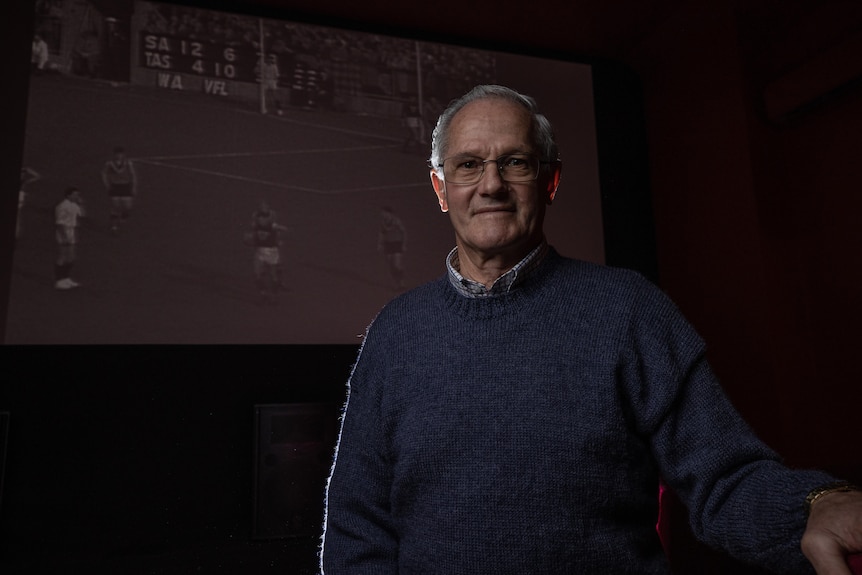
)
(207, 59)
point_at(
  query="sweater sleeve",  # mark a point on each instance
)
(358, 536)
(740, 496)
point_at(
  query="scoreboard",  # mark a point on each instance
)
(217, 68)
(183, 55)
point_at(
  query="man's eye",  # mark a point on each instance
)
(515, 162)
(468, 165)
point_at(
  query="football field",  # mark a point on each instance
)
(178, 272)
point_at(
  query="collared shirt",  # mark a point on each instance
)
(66, 215)
(504, 283)
(67, 212)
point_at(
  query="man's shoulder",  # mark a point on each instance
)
(609, 292)
(397, 321)
(602, 276)
(603, 287)
(414, 300)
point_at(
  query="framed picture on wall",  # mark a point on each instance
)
(293, 452)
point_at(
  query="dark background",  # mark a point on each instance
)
(140, 459)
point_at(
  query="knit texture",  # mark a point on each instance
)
(527, 432)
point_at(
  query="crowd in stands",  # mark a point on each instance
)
(49, 8)
(452, 69)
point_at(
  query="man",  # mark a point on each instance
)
(392, 242)
(515, 415)
(66, 215)
(269, 77)
(121, 182)
(39, 55)
(412, 120)
(28, 176)
(264, 236)
(86, 55)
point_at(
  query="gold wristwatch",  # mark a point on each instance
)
(818, 492)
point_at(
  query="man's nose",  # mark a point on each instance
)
(492, 180)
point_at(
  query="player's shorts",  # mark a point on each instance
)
(65, 235)
(267, 255)
(120, 190)
(390, 248)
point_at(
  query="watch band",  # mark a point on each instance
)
(818, 492)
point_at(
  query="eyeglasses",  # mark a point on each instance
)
(513, 168)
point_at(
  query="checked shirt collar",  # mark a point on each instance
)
(502, 284)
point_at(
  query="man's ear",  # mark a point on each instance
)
(554, 180)
(440, 190)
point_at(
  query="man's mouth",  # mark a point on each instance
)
(493, 209)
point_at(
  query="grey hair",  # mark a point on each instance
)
(542, 133)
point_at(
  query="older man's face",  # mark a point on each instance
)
(493, 218)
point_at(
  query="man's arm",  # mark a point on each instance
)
(105, 180)
(29, 175)
(134, 181)
(359, 535)
(740, 496)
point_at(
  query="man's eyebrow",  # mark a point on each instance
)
(511, 152)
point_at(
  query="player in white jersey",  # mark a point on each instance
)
(66, 216)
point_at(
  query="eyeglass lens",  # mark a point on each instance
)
(469, 170)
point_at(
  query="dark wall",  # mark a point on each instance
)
(137, 451)
(753, 212)
(753, 207)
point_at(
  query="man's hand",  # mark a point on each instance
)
(834, 531)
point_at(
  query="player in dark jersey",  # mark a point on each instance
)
(265, 237)
(120, 180)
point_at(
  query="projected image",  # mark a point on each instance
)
(199, 177)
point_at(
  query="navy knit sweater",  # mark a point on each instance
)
(526, 433)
